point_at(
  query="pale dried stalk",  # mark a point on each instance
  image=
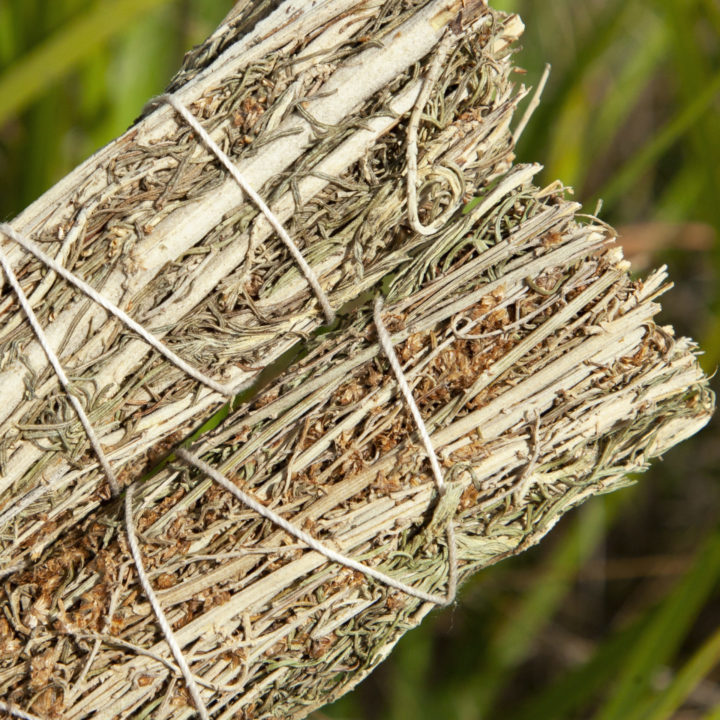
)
(563, 388)
(133, 398)
(534, 360)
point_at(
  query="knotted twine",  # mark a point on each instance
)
(385, 342)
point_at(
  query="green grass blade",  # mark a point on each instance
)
(695, 64)
(145, 59)
(567, 150)
(629, 84)
(33, 73)
(573, 691)
(602, 34)
(658, 144)
(415, 657)
(665, 633)
(7, 36)
(681, 196)
(514, 637)
(698, 667)
(712, 12)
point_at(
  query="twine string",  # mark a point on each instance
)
(309, 273)
(308, 540)
(411, 151)
(42, 288)
(387, 346)
(57, 367)
(170, 638)
(31, 247)
(301, 535)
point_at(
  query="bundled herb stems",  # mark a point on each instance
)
(533, 356)
(160, 231)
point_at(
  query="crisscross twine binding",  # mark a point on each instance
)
(228, 391)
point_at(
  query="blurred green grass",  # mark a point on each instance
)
(75, 73)
(616, 615)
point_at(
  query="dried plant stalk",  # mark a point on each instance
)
(543, 380)
(313, 123)
(533, 356)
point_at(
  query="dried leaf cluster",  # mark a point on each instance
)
(532, 354)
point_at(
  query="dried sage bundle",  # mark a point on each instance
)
(312, 111)
(532, 354)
